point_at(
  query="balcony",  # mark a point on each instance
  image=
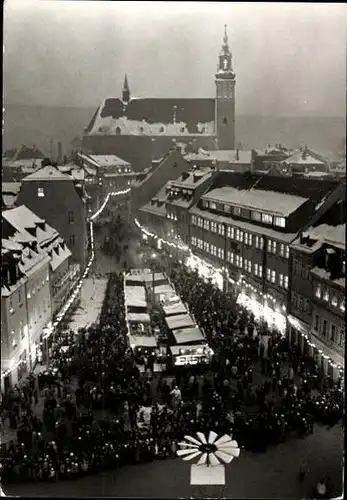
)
(64, 285)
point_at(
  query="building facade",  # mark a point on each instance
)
(141, 129)
(61, 201)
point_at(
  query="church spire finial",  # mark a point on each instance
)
(225, 38)
(126, 90)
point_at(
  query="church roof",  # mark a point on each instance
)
(196, 116)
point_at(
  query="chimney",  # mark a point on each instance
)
(60, 153)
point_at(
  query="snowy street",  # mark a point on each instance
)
(92, 296)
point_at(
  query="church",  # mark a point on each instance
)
(142, 130)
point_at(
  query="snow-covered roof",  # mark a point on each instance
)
(180, 321)
(139, 317)
(31, 165)
(109, 161)
(59, 254)
(142, 341)
(148, 116)
(135, 296)
(326, 275)
(48, 173)
(331, 235)
(303, 158)
(164, 289)
(256, 199)
(245, 226)
(175, 309)
(316, 174)
(193, 178)
(186, 335)
(227, 156)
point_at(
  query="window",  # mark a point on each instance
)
(256, 216)
(200, 243)
(230, 232)
(237, 210)
(194, 241)
(293, 299)
(286, 281)
(334, 301)
(268, 274)
(318, 292)
(227, 209)
(269, 245)
(274, 247)
(221, 229)
(230, 257)
(225, 121)
(239, 235)
(207, 225)
(118, 131)
(325, 327)
(206, 247)
(248, 239)
(306, 305)
(316, 323)
(286, 253)
(342, 306)
(72, 240)
(259, 242)
(326, 295)
(260, 271)
(200, 222)
(343, 267)
(266, 218)
(238, 260)
(248, 266)
(341, 340)
(71, 216)
(280, 222)
(213, 226)
(204, 204)
(333, 333)
(214, 250)
(40, 192)
(273, 276)
(19, 297)
(194, 220)
(282, 250)
(213, 205)
(281, 280)
(221, 253)
(256, 269)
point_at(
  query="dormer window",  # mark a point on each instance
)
(40, 192)
(280, 222)
(141, 130)
(237, 211)
(213, 205)
(334, 301)
(266, 218)
(342, 306)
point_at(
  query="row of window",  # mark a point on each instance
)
(300, 269)
(324, 294)
(171, 215)
(283, 249)
(330, 332)
(299, 302)
(248, 214)
(35, 287)
(281, 281)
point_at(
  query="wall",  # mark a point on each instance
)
(60, 198)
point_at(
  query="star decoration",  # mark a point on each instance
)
(211, 451)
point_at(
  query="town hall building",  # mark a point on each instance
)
(141, 130)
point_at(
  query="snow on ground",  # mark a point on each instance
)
(92, 296)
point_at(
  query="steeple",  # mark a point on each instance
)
(126, 91)
(224, 64)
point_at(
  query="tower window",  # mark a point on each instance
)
(118, 131)
(225, 121)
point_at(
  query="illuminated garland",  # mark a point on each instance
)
(67, 305)
(240, 281)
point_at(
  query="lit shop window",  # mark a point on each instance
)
(230, 257)
(280, 222)
(230, 232)
(334, 301)
(318, 292)
(221, 253)
(40, 192)
(237, 211)
(194, 220)
(214, 227)
(194, 241)
(266, 218)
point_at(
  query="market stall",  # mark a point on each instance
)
(135, 296)
(175, 309)
(139, 317)
(180, 321)
(186, 355)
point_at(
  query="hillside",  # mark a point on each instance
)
(37, 124)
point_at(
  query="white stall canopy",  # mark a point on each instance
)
(139, 318)
(179, 321)
(186, 335)
(148, 277)
(142, 341)
(135, 296)
(174, 309)
(164, 290)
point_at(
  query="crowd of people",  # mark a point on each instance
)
(94, 392)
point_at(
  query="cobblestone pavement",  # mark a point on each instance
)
(269, 475)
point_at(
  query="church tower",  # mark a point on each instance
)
(225, 98)
(126, 90)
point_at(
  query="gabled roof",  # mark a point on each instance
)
(48, 173)
(256, 199)
(194, 114)
(304, 157)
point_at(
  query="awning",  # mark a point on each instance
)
(185, 335)
(175, 349)
(180, 321)
(139, 317)
(175, 309)
(142, 341)
(135, 296)
(164, 289)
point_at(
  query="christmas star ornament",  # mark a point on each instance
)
(212, 454)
